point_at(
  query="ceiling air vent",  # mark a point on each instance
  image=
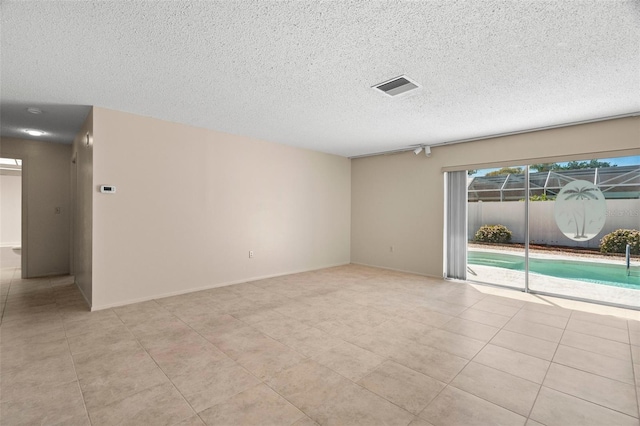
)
(396, 86)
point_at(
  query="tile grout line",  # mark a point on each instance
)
(212, 344)
(309, 358)
(520, 309)
(468, 361)
(573, 347)
(636, 379)
(84, 403)
(73, 361)
(440, 327)
(597, 337)
(596, 353)
(264, 382)
(6, 300)
(159, 368)
(237, 363)
(385, 360)
(550, 362)
(548, 367)
(594, 374)
(471, 360)
(383, 397)
(571, 395)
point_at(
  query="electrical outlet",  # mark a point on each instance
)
(250, 253)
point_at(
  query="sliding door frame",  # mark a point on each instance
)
(526, 288)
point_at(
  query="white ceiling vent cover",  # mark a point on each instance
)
(396, 86)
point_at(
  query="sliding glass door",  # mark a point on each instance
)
(497, 226)
(570, 229)
(581, 219)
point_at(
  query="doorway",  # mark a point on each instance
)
(569, 229)
(10, 218)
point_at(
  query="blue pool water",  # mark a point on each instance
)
(591, 272)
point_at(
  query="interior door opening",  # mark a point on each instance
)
(11, 218)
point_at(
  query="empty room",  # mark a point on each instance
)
(320, 213)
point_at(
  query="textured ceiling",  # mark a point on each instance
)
(300, 72)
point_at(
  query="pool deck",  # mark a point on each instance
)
(548, 284)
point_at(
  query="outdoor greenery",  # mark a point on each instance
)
(616, 241)
(571, 165)
(493, 234)
(506, 171)
(545, 167)
(541, 197)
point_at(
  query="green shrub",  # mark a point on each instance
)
(616, 242)
(493, 234)
(542, 197)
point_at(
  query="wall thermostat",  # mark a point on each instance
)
(108, 189)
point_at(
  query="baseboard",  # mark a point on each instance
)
(49, 275)
(10, 245)
(208, 287)
(398, 270)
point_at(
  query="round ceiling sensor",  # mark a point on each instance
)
(34, 110)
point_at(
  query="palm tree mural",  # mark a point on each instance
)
(580, 210)
(581, 194)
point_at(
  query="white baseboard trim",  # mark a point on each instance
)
(207, 287)
(51, 275)
(398, 270)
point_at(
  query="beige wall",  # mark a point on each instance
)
(398, 199)
(45, 186)
(82, 191)
(191, 203)
(10, 210)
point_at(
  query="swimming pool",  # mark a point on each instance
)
(591, 272)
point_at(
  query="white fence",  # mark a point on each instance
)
(542, 226)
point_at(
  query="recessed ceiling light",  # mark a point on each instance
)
(34, 110)
(33, 132)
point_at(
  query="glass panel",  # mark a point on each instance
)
(579, 205)
(496, 209)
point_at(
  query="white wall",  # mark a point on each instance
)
(10, 210)
(45, 187)
(191, 203)
(621, 214)
(399, 199)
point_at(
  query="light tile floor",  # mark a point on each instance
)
(346, 345)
